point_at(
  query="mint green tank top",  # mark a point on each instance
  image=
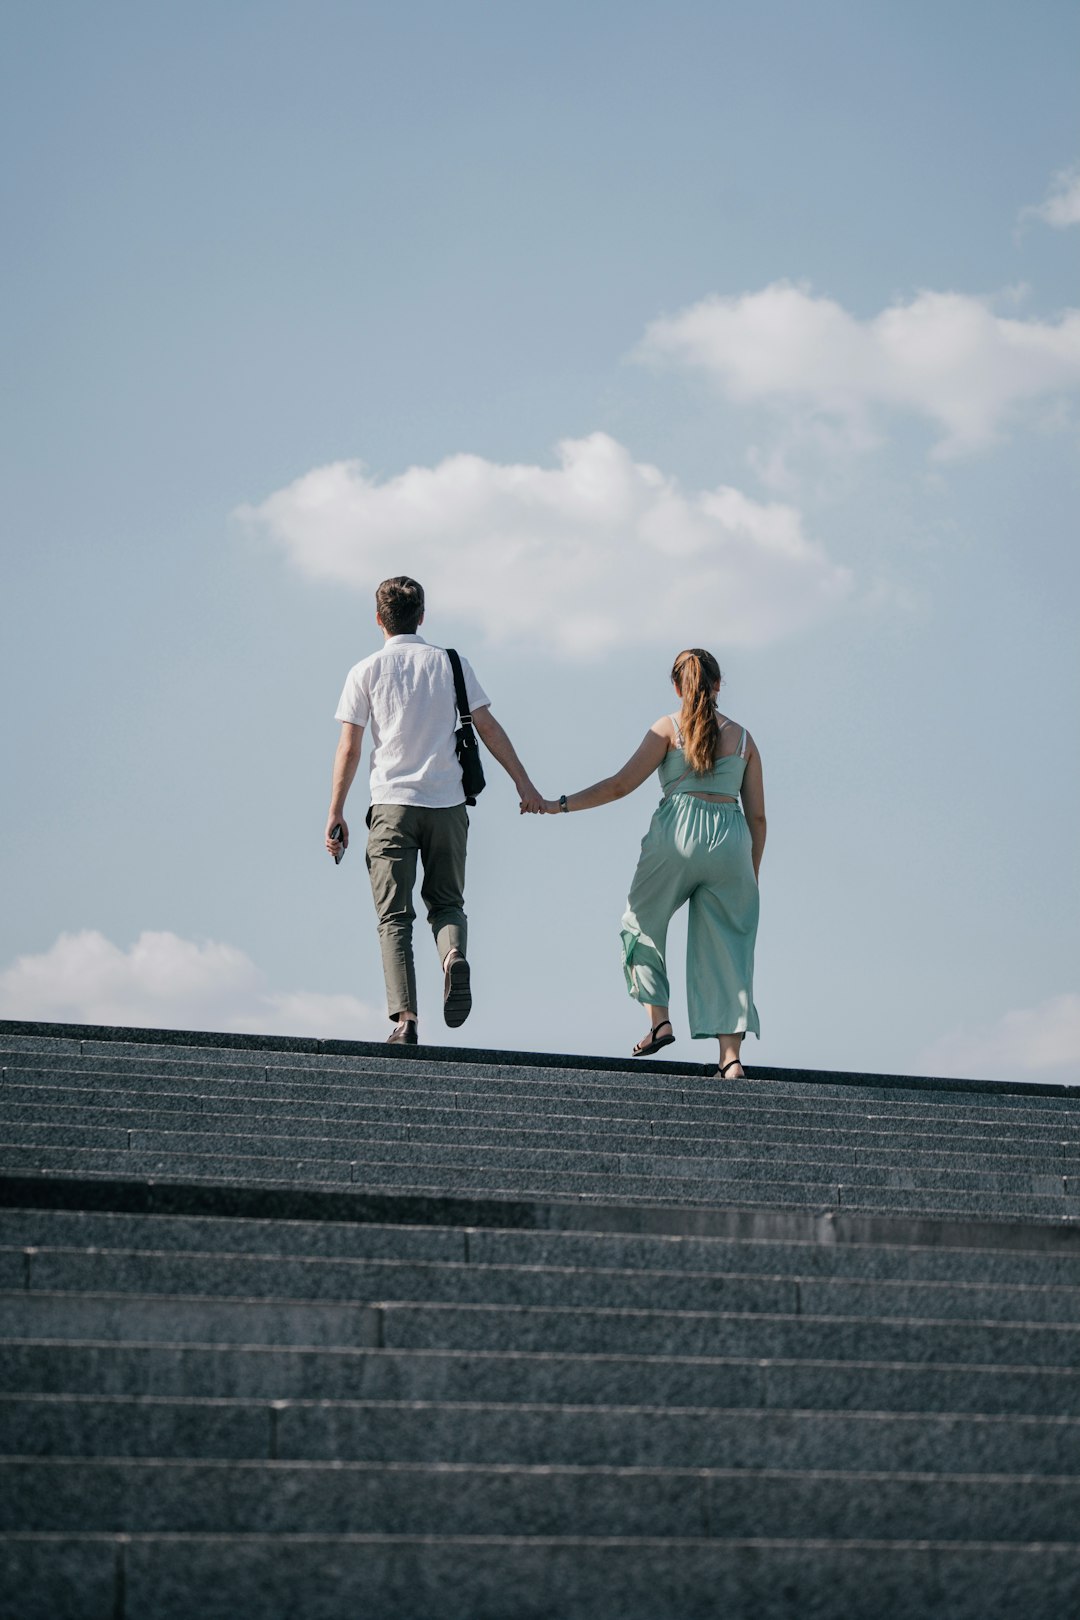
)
(725, 777)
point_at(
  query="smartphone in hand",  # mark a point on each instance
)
(335, 838)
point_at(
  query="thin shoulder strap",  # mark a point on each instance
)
(460, 695)
(674, 718)
(742, 744)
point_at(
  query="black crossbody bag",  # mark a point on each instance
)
(465, 744)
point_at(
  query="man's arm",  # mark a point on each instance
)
(499, 745)
(346, 760)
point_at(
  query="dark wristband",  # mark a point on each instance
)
(563, 804)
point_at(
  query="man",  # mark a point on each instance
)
(406, 692)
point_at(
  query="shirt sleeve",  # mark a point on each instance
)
(478, 698)
(353, 706)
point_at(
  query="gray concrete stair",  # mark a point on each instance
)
(298, 1328)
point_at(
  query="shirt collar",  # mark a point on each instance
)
(393, 640)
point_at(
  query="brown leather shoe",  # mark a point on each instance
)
(405, 1034)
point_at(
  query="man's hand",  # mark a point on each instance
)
(532, 801)
(333, 821)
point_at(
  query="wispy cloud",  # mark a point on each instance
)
(1030, 1043)
(1062, 204)
(947, 357)
(596, 553)
(165, 982)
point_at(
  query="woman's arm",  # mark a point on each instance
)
(752, 794)
(646, 759)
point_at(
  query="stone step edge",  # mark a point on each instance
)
(149, 1196)
(1019, 1211)
(545, 1473)
(358, 1538)
(375, 1313)
(388, 1268)
(209, 1040)
(763, 1414)
(926, 1370)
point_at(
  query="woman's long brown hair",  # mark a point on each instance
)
(695, 673)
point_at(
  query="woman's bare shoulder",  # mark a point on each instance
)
(732, 732)
(665, 727)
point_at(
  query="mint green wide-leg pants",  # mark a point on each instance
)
(698, 853)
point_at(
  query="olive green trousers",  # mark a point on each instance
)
(397, 835)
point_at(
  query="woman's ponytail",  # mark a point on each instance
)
(696, 674)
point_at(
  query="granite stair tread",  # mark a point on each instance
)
(486, 1577)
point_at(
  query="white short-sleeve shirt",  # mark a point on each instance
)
(405, 693)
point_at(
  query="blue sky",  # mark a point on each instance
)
(624, 328)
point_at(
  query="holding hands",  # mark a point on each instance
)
(538, 806)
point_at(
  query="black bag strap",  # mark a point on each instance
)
(460, 695)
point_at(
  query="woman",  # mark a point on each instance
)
(702, 848)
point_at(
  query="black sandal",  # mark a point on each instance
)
(653, 1042)
(720, 1073)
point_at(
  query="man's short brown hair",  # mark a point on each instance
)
(400, 602)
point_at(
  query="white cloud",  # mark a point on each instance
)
(944, 356)
(165, 982)
(596, 553)
(1032, 1043)
(1062, 205)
